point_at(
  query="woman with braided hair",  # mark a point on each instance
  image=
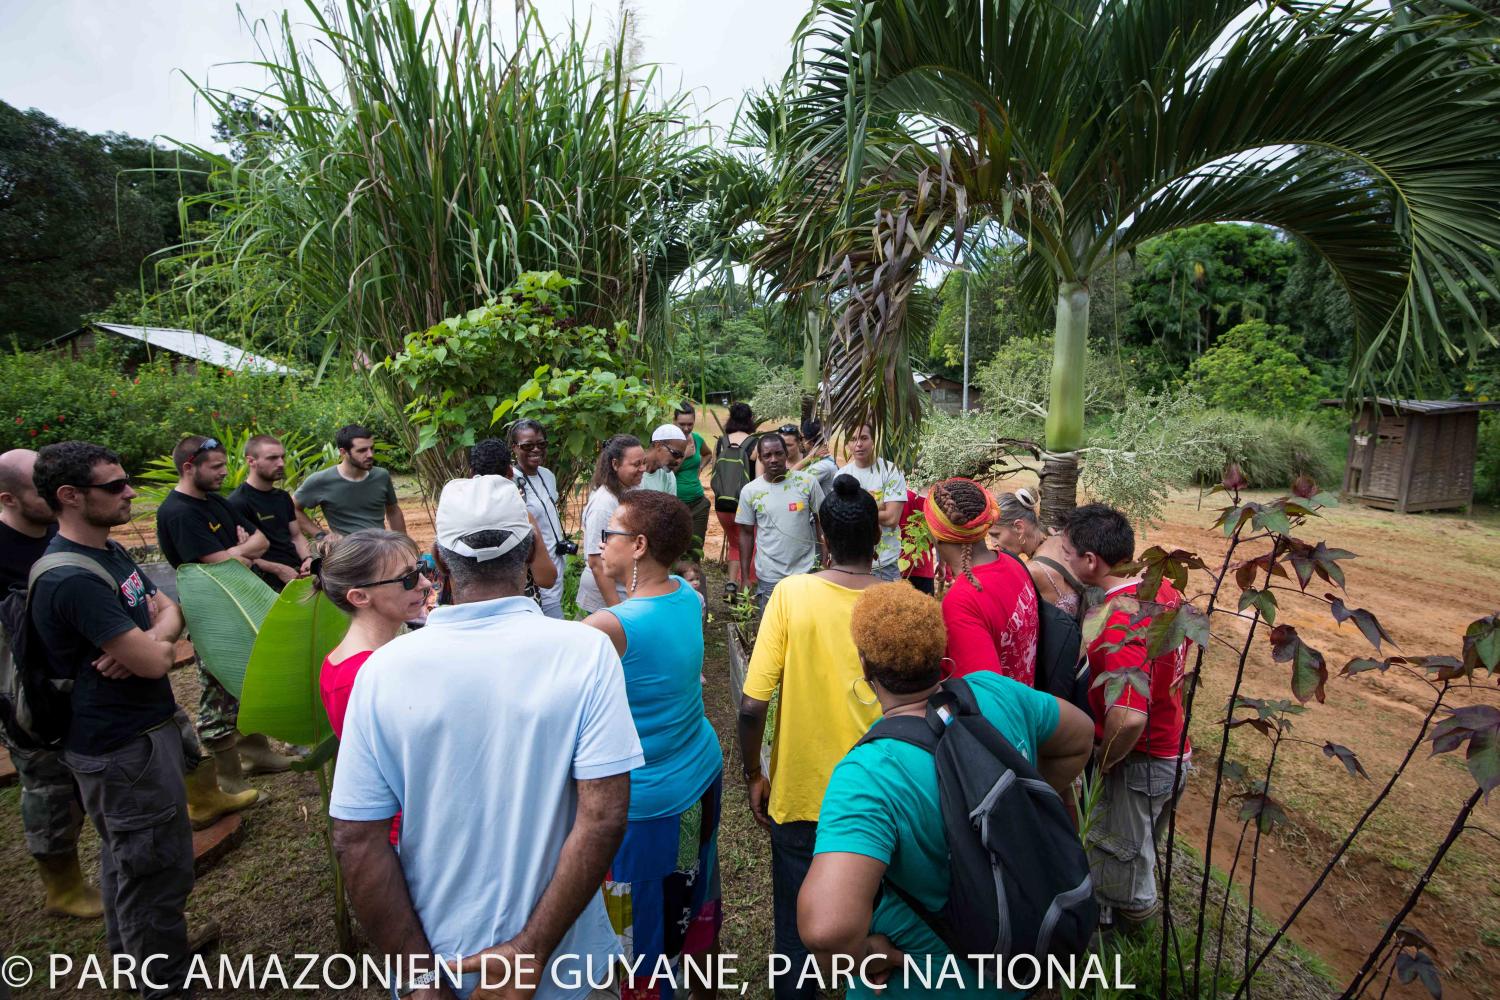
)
(991, 609)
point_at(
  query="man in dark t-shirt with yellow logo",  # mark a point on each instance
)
(195, 524)
(262, 503)
(107, 628)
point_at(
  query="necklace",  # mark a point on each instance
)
(851, 572)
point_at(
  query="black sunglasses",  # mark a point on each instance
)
(789, 429)
(408, 581)
(531, 446)
(604, 535)
(209, 444)
(115, 486)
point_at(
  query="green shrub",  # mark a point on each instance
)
(1487, 467)
(1257, 368)
(1274, 451)
(49, 397)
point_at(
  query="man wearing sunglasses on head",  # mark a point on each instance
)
(102, 623)
(669, 446)
(194, 524)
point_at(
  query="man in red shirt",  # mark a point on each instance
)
(1139, 737)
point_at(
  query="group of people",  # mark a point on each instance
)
(512, 784)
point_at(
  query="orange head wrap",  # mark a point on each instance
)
(944, 530)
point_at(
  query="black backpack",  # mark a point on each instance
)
(36, 706)
(1061, 669)
(1018, 878)
(731, 471)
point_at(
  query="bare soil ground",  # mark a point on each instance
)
(1425, 576)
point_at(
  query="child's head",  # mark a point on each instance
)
(690, 572)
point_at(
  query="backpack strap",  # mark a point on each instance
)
(903, 729)
(59, 560)
(1068, 578)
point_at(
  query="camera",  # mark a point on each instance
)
(565, 547)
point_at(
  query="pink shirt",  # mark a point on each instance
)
(993, 628)
(335, 684)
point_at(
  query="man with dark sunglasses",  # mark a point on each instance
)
(669, 447)
(194, 524)
(104, 624)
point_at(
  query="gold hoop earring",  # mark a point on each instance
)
(635, 574)
(874, 698)
(950, 669)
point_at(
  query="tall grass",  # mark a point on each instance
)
(1272, 451)
(433, 165)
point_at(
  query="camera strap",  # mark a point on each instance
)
(554, 520)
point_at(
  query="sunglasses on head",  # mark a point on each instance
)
(408, 581)
(209, 444)
(115, 486)
(788, 429)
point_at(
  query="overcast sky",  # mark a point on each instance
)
(119, 65)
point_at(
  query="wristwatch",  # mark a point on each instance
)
(421, 982)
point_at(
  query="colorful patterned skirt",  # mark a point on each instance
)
(663, 895)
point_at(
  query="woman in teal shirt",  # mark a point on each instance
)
(662, 890)
(880, 816)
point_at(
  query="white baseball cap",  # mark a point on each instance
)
(483, 503)
(668, 432)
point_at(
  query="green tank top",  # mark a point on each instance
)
(689, 486)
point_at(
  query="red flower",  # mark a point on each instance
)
(59, 418)
(216, 414)
(18, 420)
(113, 393)
(33, 432)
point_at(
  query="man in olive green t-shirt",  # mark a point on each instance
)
(353, 494)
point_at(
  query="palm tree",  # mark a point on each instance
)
(1084, 127)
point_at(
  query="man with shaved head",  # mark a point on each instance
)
(50, 811)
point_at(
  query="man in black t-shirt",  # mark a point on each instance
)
(259, 501)
(194, 524)
(50, 811)
(126, 743)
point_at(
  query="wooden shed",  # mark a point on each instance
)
(1413, 454)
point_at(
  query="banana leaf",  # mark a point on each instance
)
(281, 696)
(224, 604)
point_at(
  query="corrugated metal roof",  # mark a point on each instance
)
(199, 346)
(1425, 405)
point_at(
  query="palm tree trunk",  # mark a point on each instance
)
(812, 361)
(1065, 407)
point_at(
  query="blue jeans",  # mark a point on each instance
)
(791, 857)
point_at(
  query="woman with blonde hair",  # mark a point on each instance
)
(1017, 530)
(373, 576)
(881, 822)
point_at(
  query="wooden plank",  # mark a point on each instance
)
(1415, 432)
(8, 774)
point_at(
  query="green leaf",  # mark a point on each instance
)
(1482, 644)
(1347, 758)
(1309, 670)
(326, 750)
(1479, 727)
(1272, 518)
(224, 604)
(1266, 811)
(281, 696)
(1172, 627)
(1263, 601)
(1366, 622)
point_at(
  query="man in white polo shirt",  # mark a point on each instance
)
(668, 448)
(504, 739)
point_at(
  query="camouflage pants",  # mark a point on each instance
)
(51, 813)
(218, 710)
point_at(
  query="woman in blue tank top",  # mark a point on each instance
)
(662, 891)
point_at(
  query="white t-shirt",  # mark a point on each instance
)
(475, 728)
(886, 484)
(540, 492)
(596, 514)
